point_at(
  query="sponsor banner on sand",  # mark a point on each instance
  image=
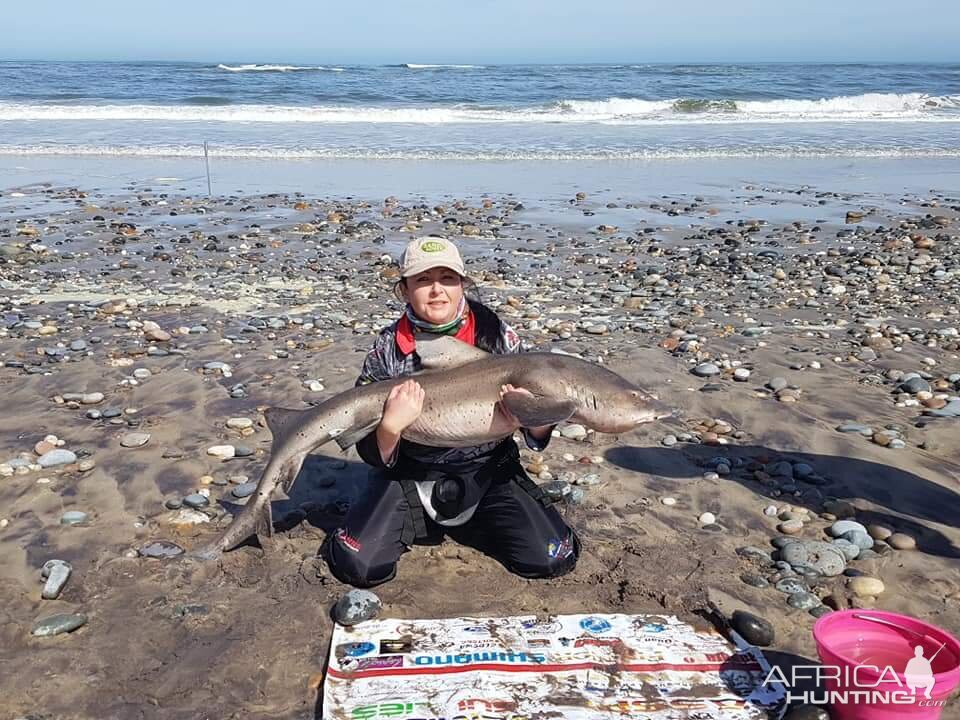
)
(561, 666)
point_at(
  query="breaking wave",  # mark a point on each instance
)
(274, 68)
(346, 153)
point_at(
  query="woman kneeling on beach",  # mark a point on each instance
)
(480, 496)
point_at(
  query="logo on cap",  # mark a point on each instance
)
(431, 246)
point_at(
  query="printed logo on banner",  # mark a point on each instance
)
(653, 628)
(354, 649)
(398, 645)
(538, 627)
(595, 624)
(391, 708)
(600, 642)
(476, 629)
(377, 663)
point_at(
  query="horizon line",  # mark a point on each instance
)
(493, 64)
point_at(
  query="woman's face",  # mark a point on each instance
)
(434, 294)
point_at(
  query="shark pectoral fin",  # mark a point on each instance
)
(442, 352)
(533, 411)
(351, 436)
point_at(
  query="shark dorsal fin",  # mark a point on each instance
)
(442, 352)
(282, 422)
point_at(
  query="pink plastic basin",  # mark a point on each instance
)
(873, 655)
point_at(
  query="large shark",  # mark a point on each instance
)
(461, 387)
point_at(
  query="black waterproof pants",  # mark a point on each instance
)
(527, 537)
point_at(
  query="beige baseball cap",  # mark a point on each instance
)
(429, 252)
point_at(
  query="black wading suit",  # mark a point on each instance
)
(480, 496)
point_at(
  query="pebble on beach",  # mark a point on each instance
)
(752, 628)
(56, 572)
(57, 624)
(356, 606)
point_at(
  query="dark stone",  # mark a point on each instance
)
(754, 580)
(161, 549)
(752, 628)
(806, 712)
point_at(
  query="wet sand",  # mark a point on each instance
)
(827, 297)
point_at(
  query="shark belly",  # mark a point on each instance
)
(467, 421)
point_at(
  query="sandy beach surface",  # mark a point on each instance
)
(807, 334)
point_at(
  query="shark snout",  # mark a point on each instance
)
(659, 412)
(653, 409)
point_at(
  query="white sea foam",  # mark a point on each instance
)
(913, 107)
(275, 68)
(268, 153)
(417, 66)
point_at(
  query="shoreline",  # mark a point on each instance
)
(375, 179)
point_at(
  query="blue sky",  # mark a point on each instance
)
(487, 31)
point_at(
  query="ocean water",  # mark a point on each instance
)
(473, 112)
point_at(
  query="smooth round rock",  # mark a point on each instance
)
(752, 628)
(74, 517)
(160, 549)
(859, 538)
(239, 423)
(668, 501)
(242, 451)
(803, 601)
(56, 457)
(843, 526)
(59, 623)
(781, 541)
(134, 439)
(752, 552)
(244, 490)
(879, 532)
(224, 452)
(790, 527)
(706, 369)
(865, 585)
(791, 586)
(849, 550)
(357, 606)
(900, 541)
(573, 432)
(57, 573)
(754, 580)
(707, 518)
(821, 556)
(196, 501)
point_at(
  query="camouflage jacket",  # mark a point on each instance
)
(387, 359)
